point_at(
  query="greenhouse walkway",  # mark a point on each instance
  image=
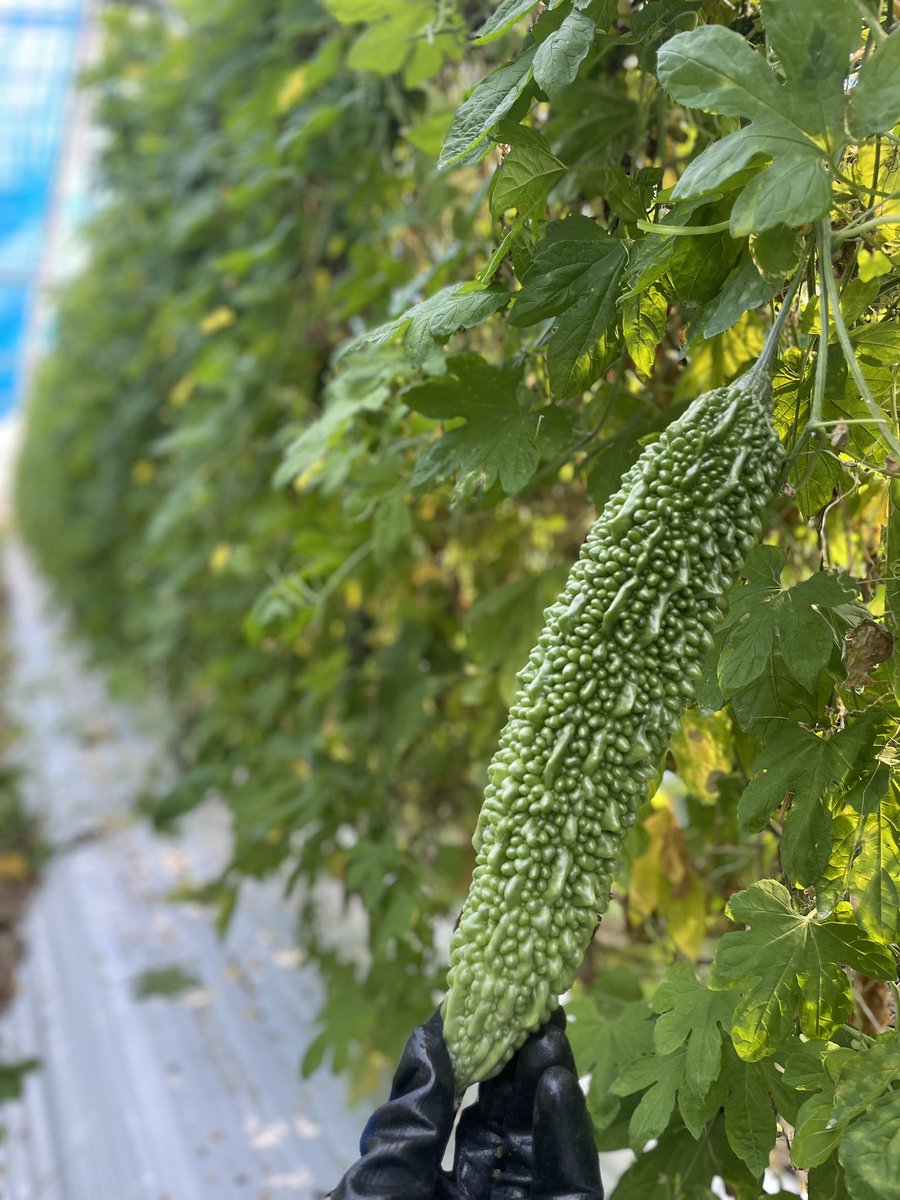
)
(193, 1091)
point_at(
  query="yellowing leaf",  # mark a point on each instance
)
(685, 917)
(353, 594)
(219, 558)
(220, 318)
(663, 882)
(873, 264)
(14, 866)
(143, 471)
(702, 750)
(182, 391)
(291, 90)
(305, 478)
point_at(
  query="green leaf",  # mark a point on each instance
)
(372, 866)
(574, 275)
(560, 55)
(789, 967)
(643, 326)
(682, 1168)
(652, 24)
(804, 1068)
(655, 255)
(428, 324)
(865, 862)
(870, 1150)
(573, 258)
(579, 351)
(799, 764)
(12, 1075)
(363, 386)
(865, 1077)
(776, 252)
(875, 100)
(745, 289)
(813, 40)
(827, 1182)
(390, 526)
(172, 980)
(466, 140)
(386, 44)
(758, 614)
(794, 190)
(526, 175)
(501, 19)
(315, 1054)
(715, 69)
(500, 438)
(661, 1076)
(854, 1083)
(628, 195)
(350, 12)
(603, 1046)
(873, 265)
(877, 346)
(692, 1015)
(749, 1113)
(892, 581)
(804, 636)
(816, 1135)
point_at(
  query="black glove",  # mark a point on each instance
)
(528, 1137)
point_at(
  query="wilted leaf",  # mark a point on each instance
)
(865, 646)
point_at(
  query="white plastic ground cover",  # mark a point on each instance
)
(194, 1096)
(188, 1097)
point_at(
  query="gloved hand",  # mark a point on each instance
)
(528, 1137)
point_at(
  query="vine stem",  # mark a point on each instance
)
(852, 231)
(818, 400)
(770, 347)
(826, 274)
(682, 230)
(871, 21)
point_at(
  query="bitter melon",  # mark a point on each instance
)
(598, 699)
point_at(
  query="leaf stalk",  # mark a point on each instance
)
(826, 274)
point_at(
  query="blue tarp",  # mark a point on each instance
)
(38, 49)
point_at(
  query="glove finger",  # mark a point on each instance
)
(546, 1049)
(506, 1102)
(494, 1136)
(476, 1156)
(549, 1048)
(404, 1140)
(566, 1166)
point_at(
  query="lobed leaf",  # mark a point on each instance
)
(875, 100)
(790, 967)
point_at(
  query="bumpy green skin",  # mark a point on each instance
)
(598, 699)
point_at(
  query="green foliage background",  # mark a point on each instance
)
(383, 298)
